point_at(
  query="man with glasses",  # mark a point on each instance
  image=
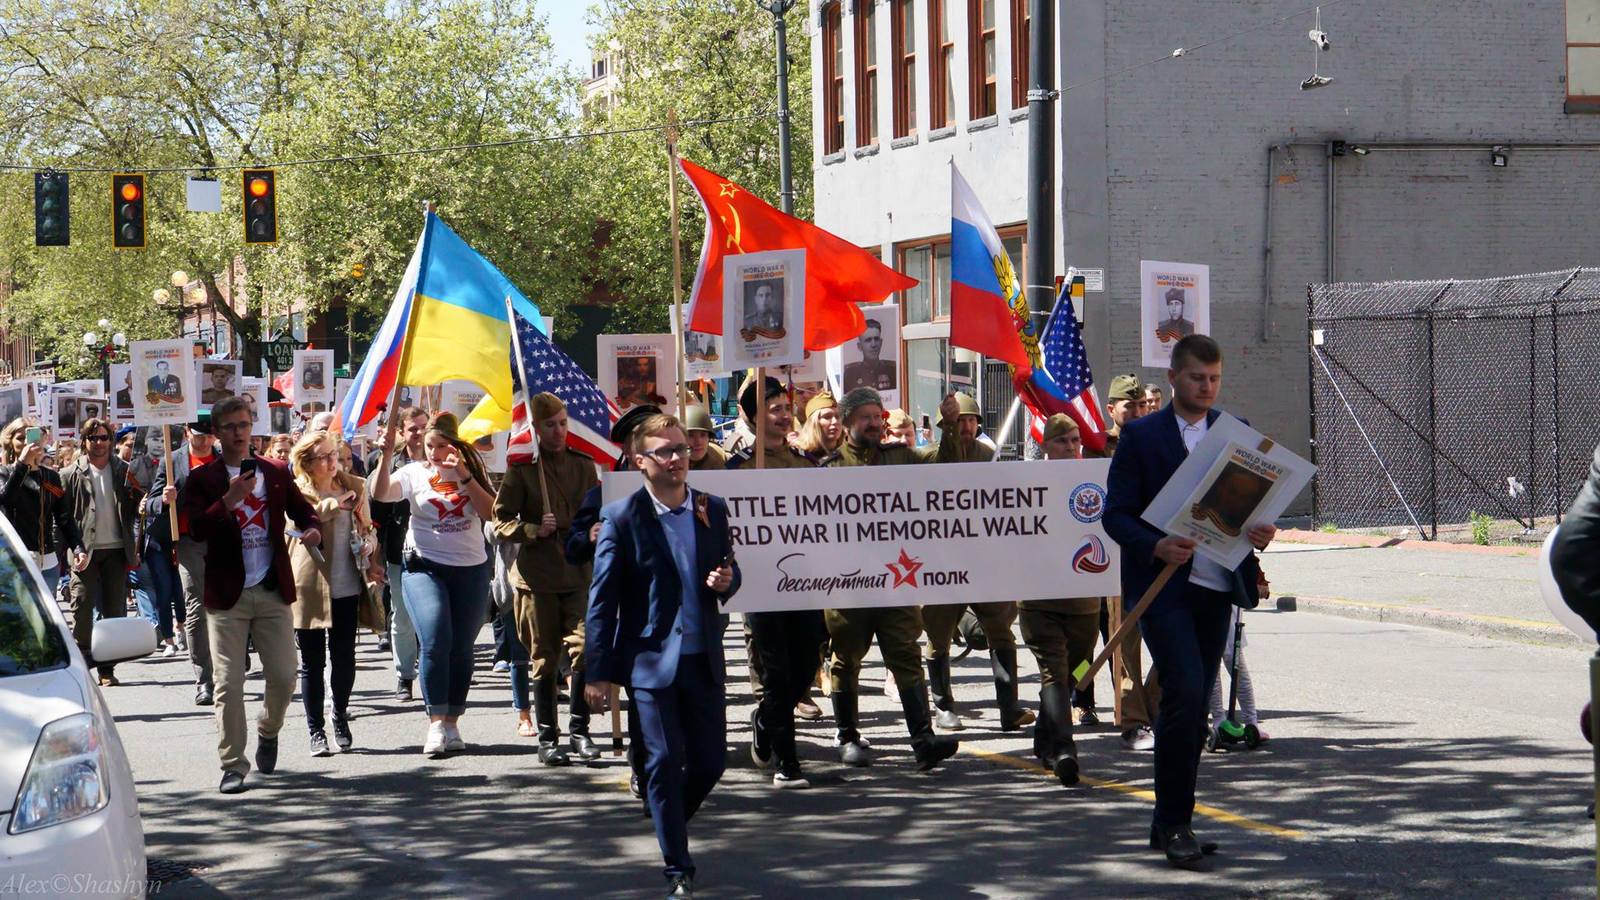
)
(236, 506)
(663, 567)
(102, 500)
(393, 520)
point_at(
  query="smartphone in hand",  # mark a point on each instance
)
(247, 466)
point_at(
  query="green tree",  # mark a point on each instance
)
(703, 60)
(189, 86)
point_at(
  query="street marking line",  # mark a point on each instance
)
(1442, 613)
(1210, 812)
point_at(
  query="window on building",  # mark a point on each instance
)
(1020, 24)
(903, 26)
(599, 70)
(981, 53)
(832, 80)
(1583, 54)
(866, 73)
(929, 263)
(942, 42)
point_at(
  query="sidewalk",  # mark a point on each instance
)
(1482, 591)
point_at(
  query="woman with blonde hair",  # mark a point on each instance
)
(822, 433)
(445, 585)
(330, 583)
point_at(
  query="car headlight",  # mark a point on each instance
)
(66, 777)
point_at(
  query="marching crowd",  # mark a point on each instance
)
(245, 549)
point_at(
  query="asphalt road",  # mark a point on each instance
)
(1404, 762)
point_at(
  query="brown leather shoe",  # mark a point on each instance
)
(109, 681)
(808, 709)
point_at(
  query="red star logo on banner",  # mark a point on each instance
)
(906, 572)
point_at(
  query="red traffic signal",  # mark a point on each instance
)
(260, 206)
(127, 212)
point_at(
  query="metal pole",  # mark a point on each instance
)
(1594, 742)
(1332, 223)
(1433, 436)
(1041, 157)
(779, 8)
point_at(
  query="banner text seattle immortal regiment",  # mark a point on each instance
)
(792, 500)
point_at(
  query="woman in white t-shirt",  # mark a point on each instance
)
(445, 580)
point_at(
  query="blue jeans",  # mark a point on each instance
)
(510, 649)
(155, 587)
(684, 729)
(1185, 643)
(447, 605)
(402, 636)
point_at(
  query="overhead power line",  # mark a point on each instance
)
(388, 154)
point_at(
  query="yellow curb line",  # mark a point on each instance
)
(1210, 812)
(1449, 614)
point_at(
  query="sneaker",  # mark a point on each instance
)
(266, 754)
(319, 743)
(680, 886)
(452, 739)
(183, 642)
(434, 746)
(170, 650)
(502, 667)
(402, 689)
(1140, 738)
(1087, 716)
(383, 643)
(341, 733)
(854, 753)
(763, 761)
(947, 720)
(232, 783)
(790, 781)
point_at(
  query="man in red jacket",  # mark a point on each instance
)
(235, 505)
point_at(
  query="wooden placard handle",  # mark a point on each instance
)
(1129, 622)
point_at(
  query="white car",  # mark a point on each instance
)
(69, 818)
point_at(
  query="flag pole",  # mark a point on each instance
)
(527, 404)
(760, 386)
(681, 327)
(1005, 427)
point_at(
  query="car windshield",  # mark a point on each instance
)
(29, 640)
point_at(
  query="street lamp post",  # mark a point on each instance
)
(778, 9)
(105, 346)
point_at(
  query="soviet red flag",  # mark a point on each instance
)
(838, 273)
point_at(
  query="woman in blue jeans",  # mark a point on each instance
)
(445, 578)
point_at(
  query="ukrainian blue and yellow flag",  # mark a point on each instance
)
(448, 320)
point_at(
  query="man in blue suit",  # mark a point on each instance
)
(662, 568)
(1186, 626)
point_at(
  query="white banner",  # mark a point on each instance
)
(913, 535)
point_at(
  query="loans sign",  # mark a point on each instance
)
(913, 535)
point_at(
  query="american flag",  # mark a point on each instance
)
(590, 414)
(1064, 383)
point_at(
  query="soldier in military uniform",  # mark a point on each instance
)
(1060, 634)
(552, 594)
(1175, 327)
(871, 371)
(961, 445)
(1125, 401)
(783, 646)
(704, 454)
(896, 628)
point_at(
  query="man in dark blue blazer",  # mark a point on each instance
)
(663, 567)
(1186, 626)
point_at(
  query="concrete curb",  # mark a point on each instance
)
(1296, 536)
(1503, 628)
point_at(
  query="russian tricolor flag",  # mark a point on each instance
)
(987, 311)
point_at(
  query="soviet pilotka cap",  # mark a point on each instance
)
(1126, 387)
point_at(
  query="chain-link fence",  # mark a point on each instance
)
(1434, 401)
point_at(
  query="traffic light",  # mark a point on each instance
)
(260, 207)
(52, 217)
(127, 212)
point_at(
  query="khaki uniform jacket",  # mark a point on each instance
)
(716, 458)
(849, 454)
(786, 458)
(313, 606)
(518, 509)
(1112, 434)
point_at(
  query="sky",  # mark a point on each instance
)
(569, 33)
